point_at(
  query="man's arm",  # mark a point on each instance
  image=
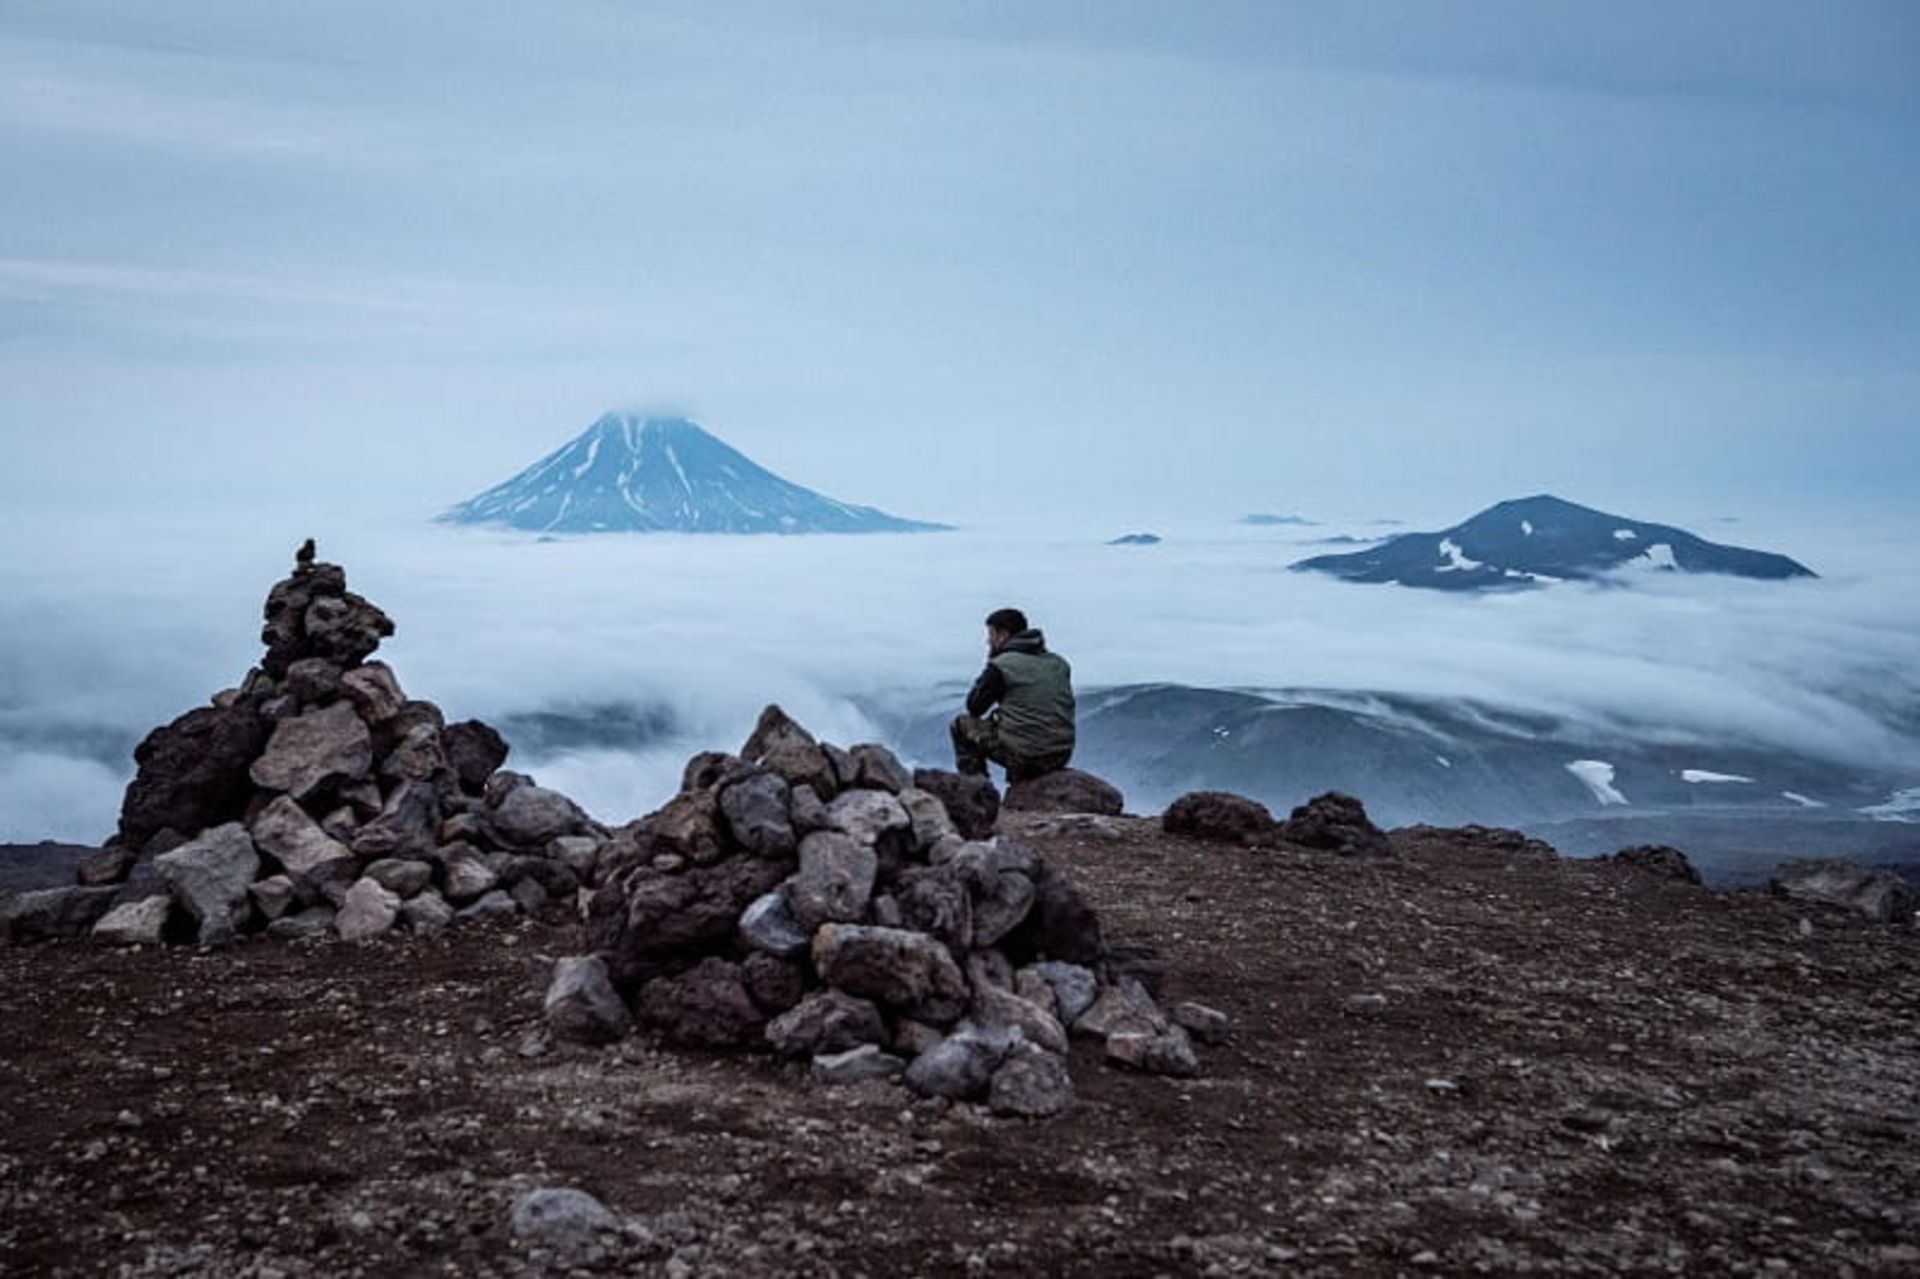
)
(987, 690)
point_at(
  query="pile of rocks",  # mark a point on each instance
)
(318, 799)
(826, 905)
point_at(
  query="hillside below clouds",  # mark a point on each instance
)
(632, 474)
(1541, 540)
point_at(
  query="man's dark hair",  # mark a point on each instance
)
(1010, 620)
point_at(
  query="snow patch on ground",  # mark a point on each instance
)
(1698, 775)
(1597, 776)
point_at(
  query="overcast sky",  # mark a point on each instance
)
(960, 260)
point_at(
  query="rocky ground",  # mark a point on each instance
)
(1470, 1057)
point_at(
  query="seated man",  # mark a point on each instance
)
(1031, 732)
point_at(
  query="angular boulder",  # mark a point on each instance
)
(141, 923)
(367, 911)
(834, 882)
(581, 1005)
(708, 1006)
(533, 815)
(757, 810)
(193, 773)
(209, 877)
(309, 856)
(49, 914)
(826, 1021)
(326, 747)
(474, 751)
(649, 919)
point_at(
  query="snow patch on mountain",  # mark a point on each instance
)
(1700, 776)
(1597, 776)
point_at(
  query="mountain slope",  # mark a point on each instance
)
(1542, 539)
(627, 473)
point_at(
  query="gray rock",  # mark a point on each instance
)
(309, 856)
(1031, 1083)
(1878, 895)
(314, 922)
(1123, 1006)
(808, 812)
(936, 900)
(1164, 1052)
(502, 783)
(562, 1219)
(901, 969)
(869, 816)
(1208, 1025)
(989, 969)
(468, 877)
(50, 913)
(210, 877)
(578, 853)
(1002, 908)
(529, 896)
(109, 865)
(1074, 987)
(399, 877)
(491, 906)
(856, 1066)
(141, 923)
(911, 1038)
(826, 1021)
(689, 826)
(835, 878)
(756, 810)
(960, 1066)
(768, 925)
(374, 690)
(1034, 988)
(325, 747)
(426, 913)
(885, 911)
(874, 767)
(993, 1006)
(312, 680)
(417, 756)
(532, 815)
(581, 1004)
(367, 911)
(474, 750)
(928, 816)
(273, 896)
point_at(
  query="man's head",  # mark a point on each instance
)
(1002, 625)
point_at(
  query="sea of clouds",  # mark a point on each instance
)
(113, 630)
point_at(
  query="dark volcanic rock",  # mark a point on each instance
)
(1066, 790)
(648, 918)
(193, 773)
(1338, 823)
(1656, 859)
(1218, 815)
(51, 913)
(971, 802)
(1060, 926)
(708, 1006)
(474, 750)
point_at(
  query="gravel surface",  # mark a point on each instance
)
(1471, 1058)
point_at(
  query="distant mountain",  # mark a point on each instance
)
(633, 474)
(1136, 539)
(1539, 540)
(1262, 519)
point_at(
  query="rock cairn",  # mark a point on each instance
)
(317, 799)
(825, 905)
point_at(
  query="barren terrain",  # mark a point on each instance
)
(1474, 1057)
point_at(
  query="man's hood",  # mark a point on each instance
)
(1031, 640)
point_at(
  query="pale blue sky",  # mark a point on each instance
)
(1142, 262)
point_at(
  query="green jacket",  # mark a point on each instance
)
(1034, 691)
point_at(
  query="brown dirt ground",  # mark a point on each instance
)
(1577, 1070)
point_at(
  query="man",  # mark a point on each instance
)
(1020, 712)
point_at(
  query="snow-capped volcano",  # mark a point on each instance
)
(629, 473)
(1543, 539)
